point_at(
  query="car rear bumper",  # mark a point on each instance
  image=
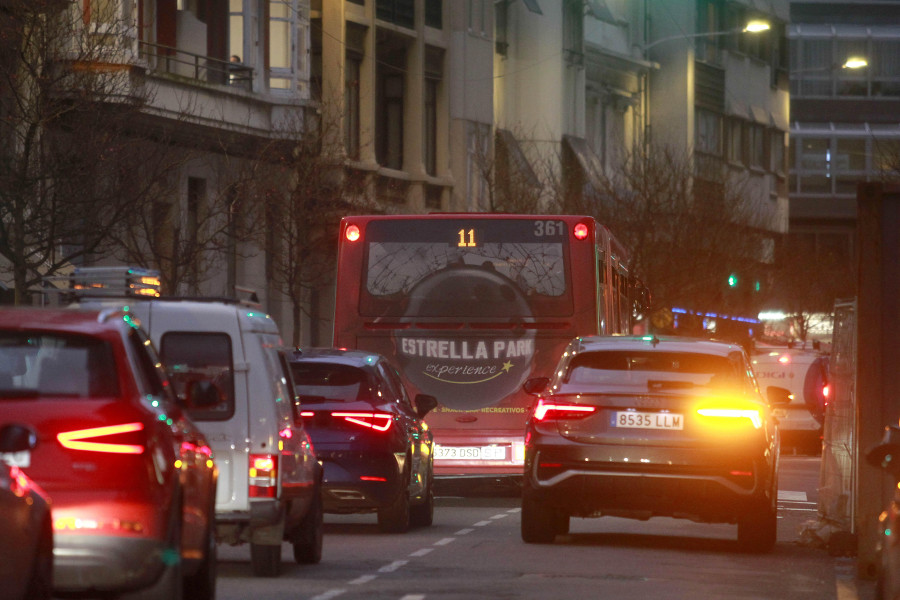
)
(353, 482)
(717, 489)
(107, 563)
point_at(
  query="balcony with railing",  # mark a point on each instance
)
(173, 61)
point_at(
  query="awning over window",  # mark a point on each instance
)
(513, 159)
(588, 161)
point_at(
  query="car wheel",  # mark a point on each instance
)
(170, 584)
(422, 515)
(265, 560)
(757, 530)
(307, 540)
(201, 585)
(40, 585)
(541, 523)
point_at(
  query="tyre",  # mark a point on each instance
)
(40, 585)
(394, 518)
(758, 530)
(422, 515)
(307, 540)
(541, 523)
(265, 560)
(201, 584)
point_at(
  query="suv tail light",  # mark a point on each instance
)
(115, 439)
(546, 411)
(735, 414)
(263, 474)
(372, 420)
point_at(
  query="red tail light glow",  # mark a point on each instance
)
(545, 411)
(376, 421)
(77, 440)
(580, 231)
(263, 474)
(372, 478)
(352, 233)
(826, 391)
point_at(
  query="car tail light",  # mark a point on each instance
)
(372, 420)
(115, 439)
(732, 414)
(263, 474)
(546, 411)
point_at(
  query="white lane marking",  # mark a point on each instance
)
(328, 595)
(792, 496)
(393, 566)
(514, 510)
(413, 597)
(422, 552)
(363, 579)
(444, 541)
(495, 517)
(465, 531)
(481, 523)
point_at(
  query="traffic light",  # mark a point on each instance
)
(732, 280)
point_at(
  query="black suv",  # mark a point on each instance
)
(371, 439)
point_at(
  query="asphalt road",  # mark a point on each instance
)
(474, 550)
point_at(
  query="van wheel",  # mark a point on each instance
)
(265, 560)
(541, 523)
(307, 540)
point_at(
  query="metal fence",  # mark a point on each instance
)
(837, 498)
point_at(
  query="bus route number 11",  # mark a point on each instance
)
(466, 238)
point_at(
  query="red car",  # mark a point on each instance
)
(131, 479)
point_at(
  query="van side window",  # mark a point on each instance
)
(200, 356)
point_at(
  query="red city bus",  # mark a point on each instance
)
(471, 305)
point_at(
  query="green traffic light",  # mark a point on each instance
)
(732, 280)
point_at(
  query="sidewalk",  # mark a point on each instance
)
(848, 586)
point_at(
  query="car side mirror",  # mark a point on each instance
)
(886, 455)
(425, 404)
(203, 394)
(778, 396)
(15, 437)
(536, 385)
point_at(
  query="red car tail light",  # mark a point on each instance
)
(372, 420)
(546, 411)
(263, 474)
(100, 439)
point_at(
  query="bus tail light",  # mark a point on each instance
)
(352, 233)
(546, 411)
(263, 475)
(581, 231)
(372, 420)
(114, 439)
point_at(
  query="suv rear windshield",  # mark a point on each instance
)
(36, 364)
(666, 369)
(324, 382)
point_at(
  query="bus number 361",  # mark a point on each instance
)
(549, 228)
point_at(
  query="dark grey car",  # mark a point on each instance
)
(640, 427)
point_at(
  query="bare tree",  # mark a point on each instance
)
(685, 233)
(68, 173)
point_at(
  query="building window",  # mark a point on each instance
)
(196, 199)
(236, 46)
(390, 92)
(434, 71)
(573, 32)
(477, 149)
(756, 146)
(352, 73)
(709, 132)
(434, 13)
(735, 141)
(776, 152)
(501, 27)
(398, 12)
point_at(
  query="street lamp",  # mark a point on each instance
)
(755, 26)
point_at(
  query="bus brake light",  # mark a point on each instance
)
(581, 231)
(352, 233)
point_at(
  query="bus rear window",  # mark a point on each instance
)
(459, 268)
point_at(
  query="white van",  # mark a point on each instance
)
(270, 483)
(805, 374)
